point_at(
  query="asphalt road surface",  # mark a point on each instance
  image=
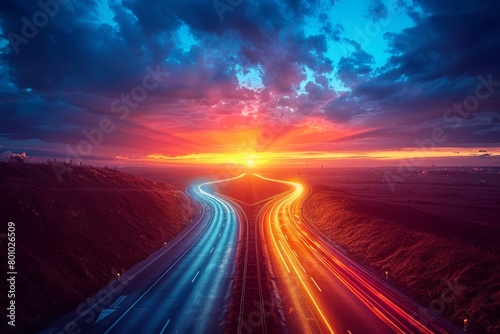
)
(325, 291)
(181, 288)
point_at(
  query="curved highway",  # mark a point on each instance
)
(325, 291)
(181, 288)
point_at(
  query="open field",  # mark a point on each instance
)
(470, 196)
(250, 189)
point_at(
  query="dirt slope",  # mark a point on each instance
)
(74, 236)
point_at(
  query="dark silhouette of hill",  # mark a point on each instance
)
(75, 234)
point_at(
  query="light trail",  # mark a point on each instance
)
(180, 288)
(372, 302)
(216, 242)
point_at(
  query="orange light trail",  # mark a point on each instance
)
(293, 239)
(272, 211)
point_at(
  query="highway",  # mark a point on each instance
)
(286, 267)
(180, 288)
(322, 289)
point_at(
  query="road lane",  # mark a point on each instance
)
(181, 288)
(342, 296)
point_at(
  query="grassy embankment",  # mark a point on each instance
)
(74, 236)
(423, 253)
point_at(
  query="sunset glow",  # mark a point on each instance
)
(274, 84)
(316, 158)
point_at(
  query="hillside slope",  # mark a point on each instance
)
(74, 236)
(450, 267)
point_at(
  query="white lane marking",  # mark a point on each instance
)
(281, 255)
(312, 279)
(211, 250)
(295, 254)
(349, 332)
(219, 234)
(165, 327)
(195, 276)
(300, 264)
(285, 236)
(117, 302)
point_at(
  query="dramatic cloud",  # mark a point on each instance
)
(172, 77)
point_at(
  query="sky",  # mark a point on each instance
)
(320, 82)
